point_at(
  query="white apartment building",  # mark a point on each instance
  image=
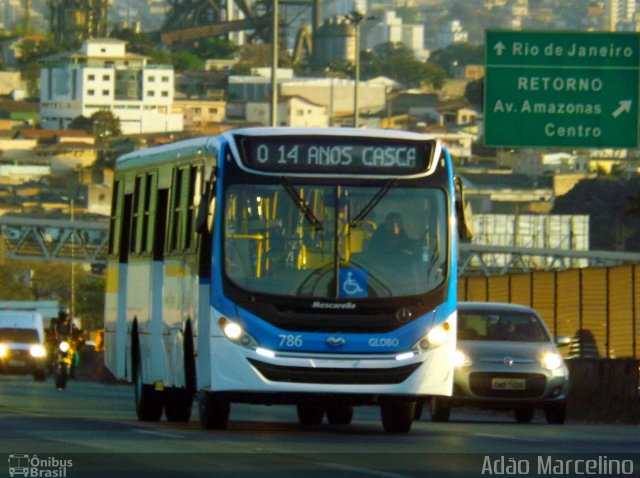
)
(391, 29)
(292, 111)
(103, 76)
(451, 32)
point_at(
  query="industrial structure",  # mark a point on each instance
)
(190, 20)
(73, 21)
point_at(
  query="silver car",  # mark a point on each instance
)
(506, 359)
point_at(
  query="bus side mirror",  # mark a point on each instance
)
(464, 228)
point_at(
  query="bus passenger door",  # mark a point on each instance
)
(122, 328)
(204, 229)
(157, 283)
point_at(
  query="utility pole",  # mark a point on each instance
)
(274, 66)
(356, 17)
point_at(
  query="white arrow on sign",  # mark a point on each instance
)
(499, 48)
(625, 107)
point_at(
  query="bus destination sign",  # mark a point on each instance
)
(324, 155)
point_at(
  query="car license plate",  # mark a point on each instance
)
(508, 383)
(17, 363)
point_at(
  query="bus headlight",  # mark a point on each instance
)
(435, 337)
(438, 334)
(234, 332)
(551, 361)
(4, 350)
(37, 351)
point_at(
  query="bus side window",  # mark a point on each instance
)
(148, 213)
(161, 224)
(115, 219)
(194, 192)
(176, 209)
(134, 246)
(125, 233)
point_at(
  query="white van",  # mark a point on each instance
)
(22, 345)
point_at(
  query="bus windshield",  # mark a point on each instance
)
(335, 242)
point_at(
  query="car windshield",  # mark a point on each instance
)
(296, 240)
(23, 336)
(500, 326)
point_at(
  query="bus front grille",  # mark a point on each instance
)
(279, 373)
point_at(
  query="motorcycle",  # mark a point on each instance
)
(63, 363)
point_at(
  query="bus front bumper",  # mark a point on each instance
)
(238, 369)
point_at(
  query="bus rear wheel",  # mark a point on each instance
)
(178, 401)
(214, 411)
(148, 401)
(177, 404)
(397, 415)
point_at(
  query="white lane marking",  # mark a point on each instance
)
(363, 471)
(159, 434)
(507, 437)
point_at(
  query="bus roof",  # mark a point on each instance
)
(189, 147)
(332, 131)
(166, 152)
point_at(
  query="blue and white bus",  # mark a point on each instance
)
(313, 267)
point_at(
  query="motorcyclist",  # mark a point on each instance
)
(65, 329)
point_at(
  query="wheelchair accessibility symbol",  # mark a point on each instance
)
(353, 283)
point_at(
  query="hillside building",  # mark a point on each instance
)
(103, 76)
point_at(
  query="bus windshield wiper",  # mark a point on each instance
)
(364, 212)
(303, 206)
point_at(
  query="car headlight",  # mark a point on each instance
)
(64, 346)
(4, 350)
(37, 351)
(234, 332)
(460, 359)
(551, 360)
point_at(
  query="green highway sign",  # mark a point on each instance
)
(561, 89)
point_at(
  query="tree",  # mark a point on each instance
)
(185, 60)
(105, 125)
(82, 123)
(474, 93)
(398, 62)
(39, 280)
(216, 48)
(142, 44)
(457, 55)
(30, 52)
(15, 281)
(607, 202)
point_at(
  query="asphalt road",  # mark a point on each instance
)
(94, 426)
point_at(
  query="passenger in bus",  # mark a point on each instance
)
(390, 236)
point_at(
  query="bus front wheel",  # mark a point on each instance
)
(397, 415)
(440, 409)
(214, 411)
(310, 414)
